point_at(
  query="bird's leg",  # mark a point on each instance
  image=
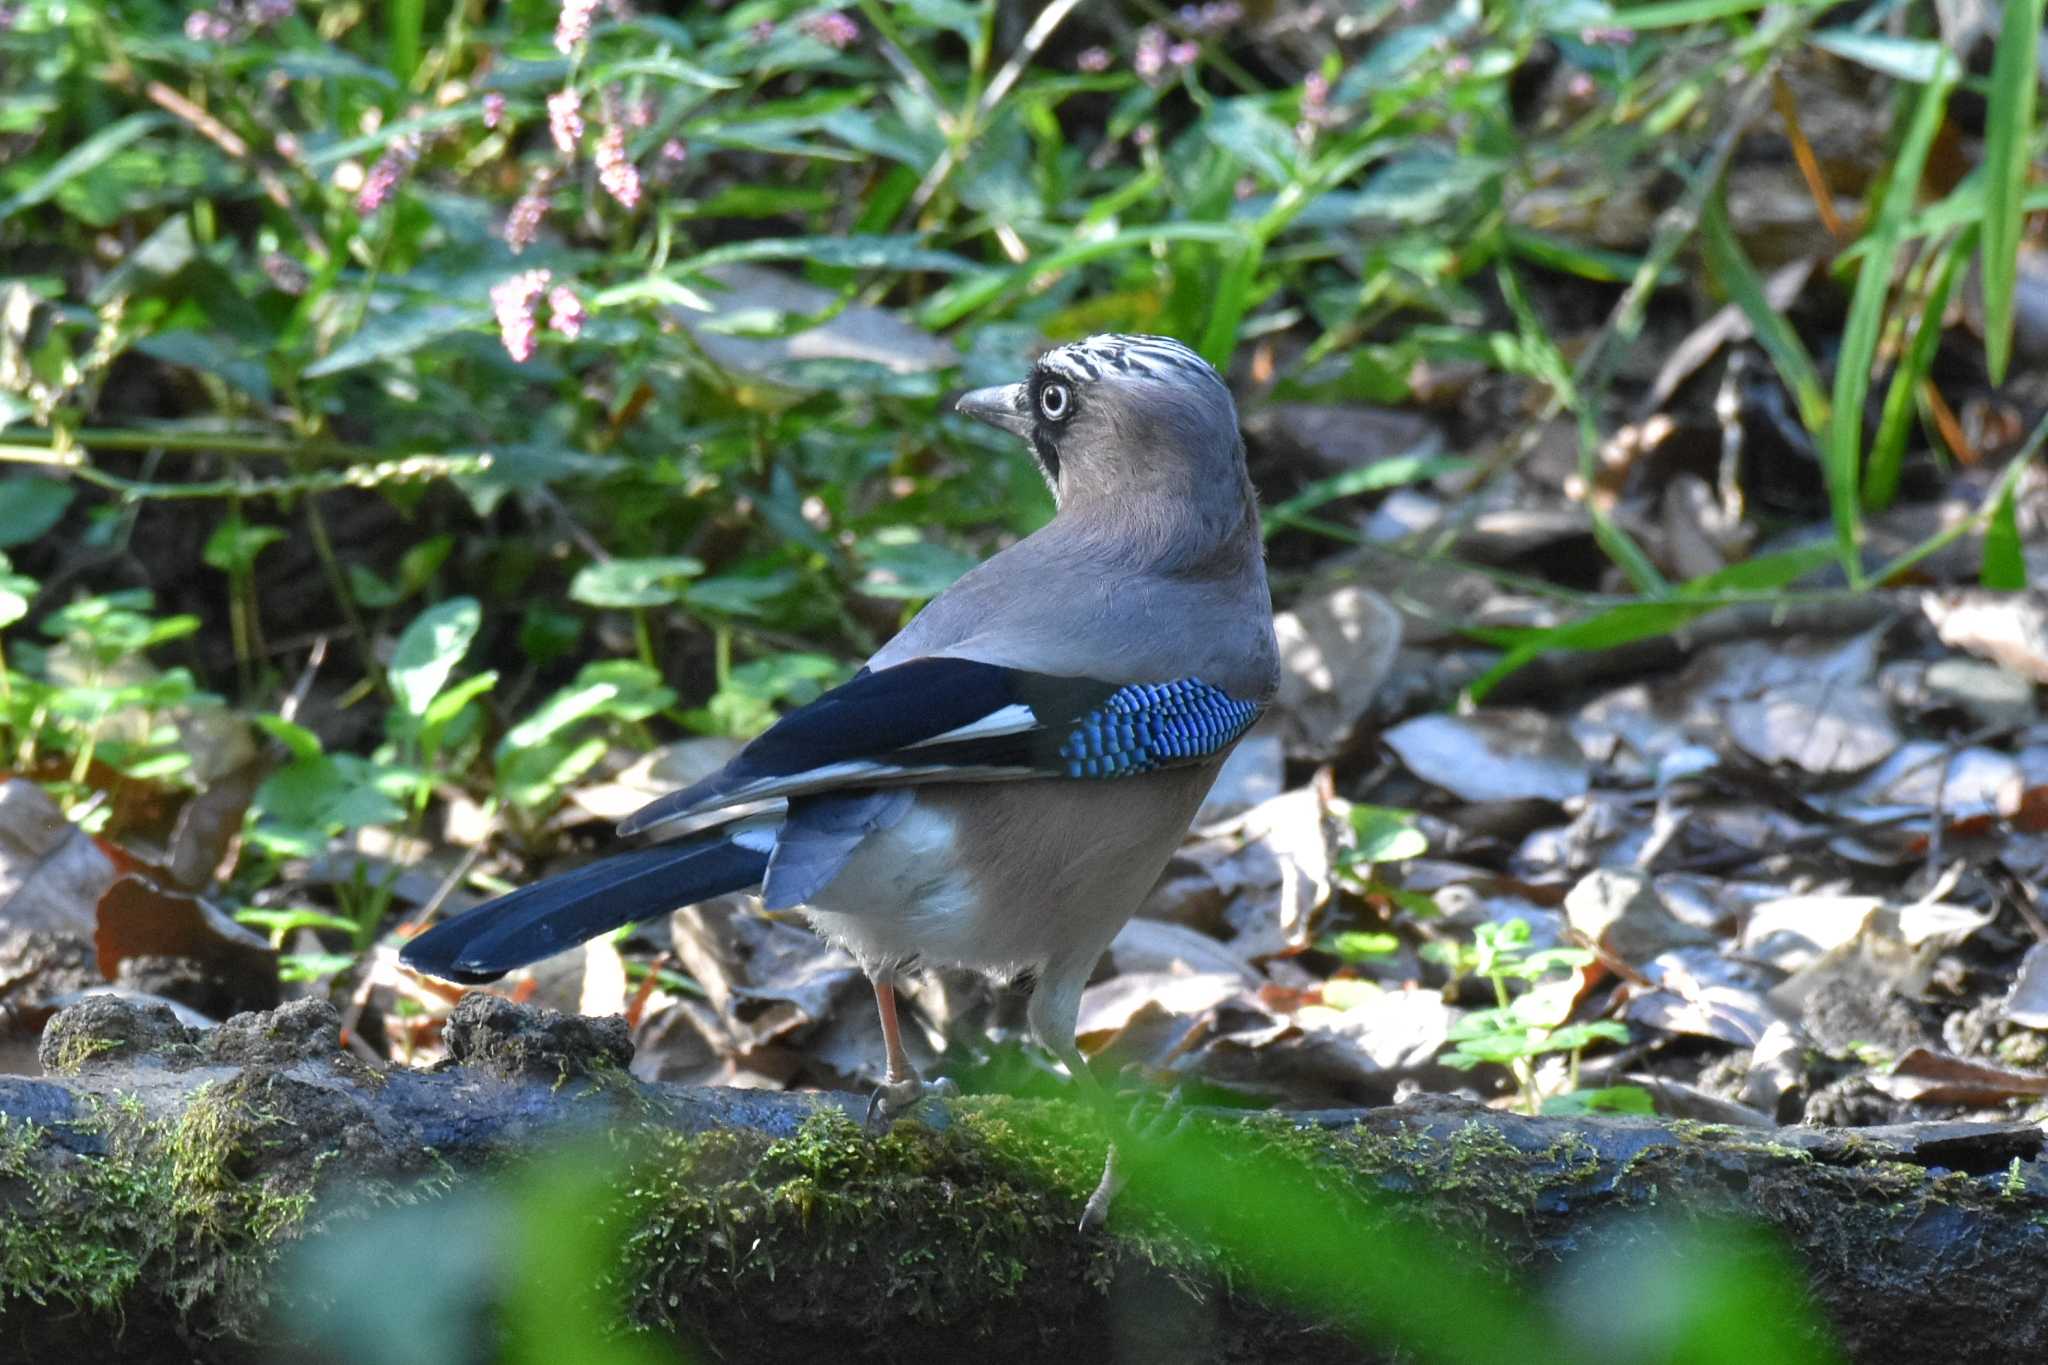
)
(902, 1087)
(1054, 1010)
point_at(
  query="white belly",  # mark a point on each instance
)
(901, 896)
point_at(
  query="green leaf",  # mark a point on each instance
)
(558, 713)
(234, 544)
(1357, 946)
(2005, 562)
(1391, 472)
(210, 353)
(1423, 187)
(1764, 573)
(620, 583)
(1613, 1099)
(448, 704)
(1787, 352)
(86, 156)
(325, 792)
(298, 741)
(1243, 128)
(899, 252)
(2008, 139)
(285, 919)
(903, 566)
(1620, 625)
(429, 650)
(17, 591)
(29, 506)
(739, 594)
(399, 332)
(1913, 60)
(1385, 835)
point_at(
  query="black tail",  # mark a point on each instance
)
(539, 920)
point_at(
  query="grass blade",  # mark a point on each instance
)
(408, 18)
(1732, 267)
(2009, 129)
(1888, 448)
(2005, 565)
(1843, 452)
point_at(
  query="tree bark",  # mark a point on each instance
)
(155, 1182)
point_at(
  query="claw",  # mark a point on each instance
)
(1170, 1121)
(892, 1100)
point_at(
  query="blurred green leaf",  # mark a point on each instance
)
(234, 544)
(1787, 352)
(86, 156)
(1888, 447)
(30, 506)
(901, 564)
(619, 583)
(2008, 150)
(2005, 560)
(429, 649)
(1843, 450)
(1613, 1099)
(1914, 60)
(1385, 834)
(400, 332)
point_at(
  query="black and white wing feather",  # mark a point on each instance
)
(947, 719)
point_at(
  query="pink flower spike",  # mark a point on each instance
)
(494, 109)
(566, 313)
(833, 29)
(615, 171)
(512, 300)
(565, 120)
(572, 25)
(1149, 61)
(385, 175)
(522, 225)
(1092, 60)
(674, 150)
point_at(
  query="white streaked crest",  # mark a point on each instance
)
(1137, 356)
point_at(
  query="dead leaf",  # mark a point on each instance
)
(1493, 755)
(2008, 628)
(2027, 1002)
(137, 918)
(1924, 1076)
(1621, 912)
(1335, 651)
(52, 874)
(1817, 724)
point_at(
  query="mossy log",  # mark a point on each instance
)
(152, 1183)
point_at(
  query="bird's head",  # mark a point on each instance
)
(1116, 418)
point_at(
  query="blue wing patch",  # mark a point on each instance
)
(1149, 725)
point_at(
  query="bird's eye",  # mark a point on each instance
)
(1054, 401)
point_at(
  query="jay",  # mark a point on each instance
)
(1002, 784)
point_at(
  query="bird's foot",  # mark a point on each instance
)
(1168, 1122)
(901, 1098)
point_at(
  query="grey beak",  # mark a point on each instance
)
(1007, 406)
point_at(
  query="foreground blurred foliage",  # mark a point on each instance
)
(415, 410)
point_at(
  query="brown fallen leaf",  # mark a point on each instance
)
(1924, 1076)
(139, 918)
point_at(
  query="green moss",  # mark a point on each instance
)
(176, 1202)
(73, 1051)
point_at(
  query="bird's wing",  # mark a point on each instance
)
(954, 720)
